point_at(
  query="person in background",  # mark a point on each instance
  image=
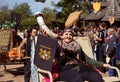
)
(77, 67)
(100, 43)
(95, 43)
(29, 45)
(110, 49)
(80, 33)
(118, 49)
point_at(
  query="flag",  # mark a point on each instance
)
(96, 6)
(44, 52)
(16, 17)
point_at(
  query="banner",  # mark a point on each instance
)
(16, 17)
(5, 39)
(45, 52)
(96, 6)
(111, 19)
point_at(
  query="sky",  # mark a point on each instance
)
(34, 6)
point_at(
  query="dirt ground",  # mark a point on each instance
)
(13, 73)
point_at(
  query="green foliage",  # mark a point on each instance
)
(49, 15)
(4, 13)
(7, 24)
(68, 6)
(27, 22)
(24, 9)
(27, 18)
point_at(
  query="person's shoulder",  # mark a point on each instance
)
(24, 40)
(76, 43)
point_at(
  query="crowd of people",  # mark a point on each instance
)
(74, 65)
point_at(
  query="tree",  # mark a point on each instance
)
(27, 22)
(68, 6)
(27, 17)
(4, 13)
(49, 15)
(24, 9)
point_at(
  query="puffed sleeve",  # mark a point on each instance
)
(93, 62)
